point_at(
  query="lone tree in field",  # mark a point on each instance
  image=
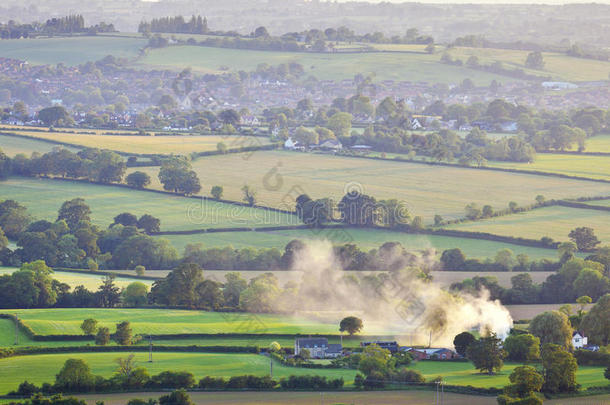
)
(103, 336)
(123, 333)
(487, 354)
(351, 325)
(462, 341)
(584, 238)
(217, 192)
(89, 326)
(534, 60)
(249, 195)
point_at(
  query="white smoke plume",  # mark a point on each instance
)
(400, 303)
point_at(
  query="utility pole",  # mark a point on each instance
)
(16, 330)
(150, 349)
(270, 366)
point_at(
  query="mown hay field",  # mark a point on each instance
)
(279, 177)
(165, 145)
(555, 222)
(366, 239)
(70, 50)
(43, 198)
(89, 281)
(590, 166)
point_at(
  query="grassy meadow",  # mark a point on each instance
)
(594, 167)
(280, 176)
(601, 203)
(178, 144)
(413, 66)
(12, 146)
(365, 239)
(42, 368)
(413, 397)
(555, 222)
(43, 197)
(70, 50)
(164, 321)
(598, 143)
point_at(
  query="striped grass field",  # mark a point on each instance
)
(366, 239)
(42, 368)
(43, 197)
(555, 222)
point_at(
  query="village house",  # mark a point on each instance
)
(579, 341)
(318, 348)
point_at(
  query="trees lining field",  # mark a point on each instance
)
(108, 201)
(555, 222)
(44, 367)
(13, 145)
(179, 144)
(365, 238)
(427, 190)
(595, 167)
(70, 50)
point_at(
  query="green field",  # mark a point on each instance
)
(598, 143)
(164, 321)
(365, 239)
(602, 203)
(557, 65)
(90, 281)
(12, 145)
(412, 67)
(595, 167)
(411, 397)
(70, 51)
(425, 189)
(43, 197)
(423, 397)
(555, 222)
(178, 144)
(42, 368)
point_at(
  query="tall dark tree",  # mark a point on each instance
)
(74, 211)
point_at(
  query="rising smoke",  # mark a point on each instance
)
(402, 301)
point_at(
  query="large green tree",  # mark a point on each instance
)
(487, 354)
(559, 369)
(596, 323)
(552, 327)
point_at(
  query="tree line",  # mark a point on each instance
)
(178, 25)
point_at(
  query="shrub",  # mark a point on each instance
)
(213, 383)
(173, 379)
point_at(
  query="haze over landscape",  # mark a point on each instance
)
(294, 201)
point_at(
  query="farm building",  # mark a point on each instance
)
(392, 346)
(432, 353)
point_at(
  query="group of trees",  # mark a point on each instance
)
(557, 373)
(196, 25)
(574, 278)
(358, 209)
(96, 165)
(57, 25)
(74, 241)
(177, 175)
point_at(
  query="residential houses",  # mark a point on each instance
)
(318, 348)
